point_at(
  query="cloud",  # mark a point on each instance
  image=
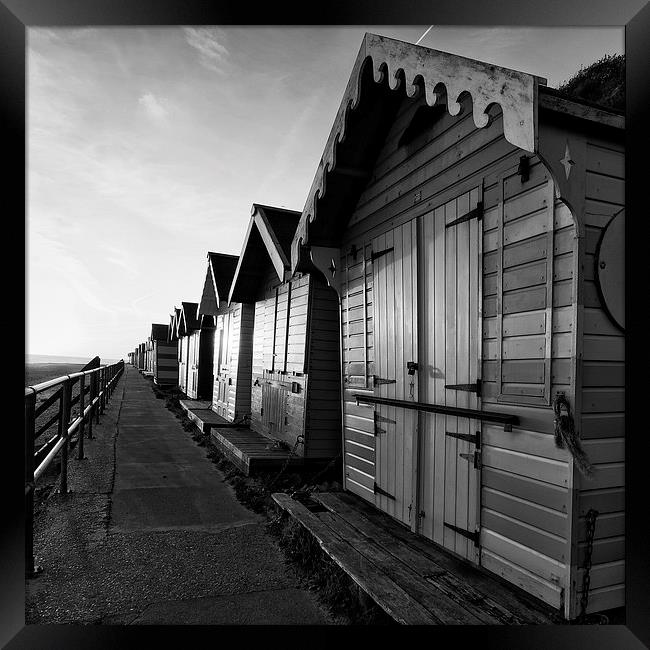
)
(153, 107)
(207, 42)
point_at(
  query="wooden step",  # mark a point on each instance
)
(453, 576)
(396, 602)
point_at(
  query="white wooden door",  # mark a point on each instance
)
(220, 396)
(449, 355)
(395, 341)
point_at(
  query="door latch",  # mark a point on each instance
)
(411, 366)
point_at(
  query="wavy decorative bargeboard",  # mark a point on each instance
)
(515, 92)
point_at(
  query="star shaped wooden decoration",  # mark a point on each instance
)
(567, 162)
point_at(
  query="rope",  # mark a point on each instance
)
(566, 437)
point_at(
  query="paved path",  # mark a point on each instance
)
(152, 534)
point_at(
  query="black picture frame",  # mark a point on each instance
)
(17, 15)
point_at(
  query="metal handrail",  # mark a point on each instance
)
(475, 414)
(102, 381)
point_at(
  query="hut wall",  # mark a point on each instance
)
(602, 391)
(165, 363)
(528, 336)
(323, 416)
(279, 380)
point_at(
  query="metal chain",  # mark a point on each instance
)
(590, 521)
(299, 440)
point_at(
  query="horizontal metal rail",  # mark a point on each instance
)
(98, 383)
(475, 414)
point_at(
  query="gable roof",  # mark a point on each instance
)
(218, 278)
(385, 72)
(159, 332)
(173, 325)
(270, 233)
(187, 321)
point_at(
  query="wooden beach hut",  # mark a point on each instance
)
(148, 356)
(233, 338)
(295, 395)
(186, 323)
(195, 345)
(471, 221)
(142, 359)
(164, 356)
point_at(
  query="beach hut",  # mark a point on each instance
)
(471, 221)
(148, 357)
(196, 349)
(295, 395)
(233, 337)
(142, 360)
(186, 323)
(164, 356)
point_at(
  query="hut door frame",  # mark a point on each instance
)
(450, 276)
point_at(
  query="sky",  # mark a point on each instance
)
(147, 146)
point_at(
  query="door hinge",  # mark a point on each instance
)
(469, 388)
(468, 437)
(378, 490)
(476, 213)
(374, 256)
(380, 380)
(475, 456)
(474, 536)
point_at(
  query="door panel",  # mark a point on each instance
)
(395, 339)
(449, 355)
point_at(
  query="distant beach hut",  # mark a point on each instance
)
(295, 395)
(233, 336)
(164, 356)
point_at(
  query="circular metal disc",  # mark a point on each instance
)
(610, 265)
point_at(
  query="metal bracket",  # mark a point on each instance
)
(380, 380)
(476, 213)
(381, 418)
(374, 256)
(475, 457)
(524, 168)
(468, 437)
(474, 536)
(470, 388)
(378, 490)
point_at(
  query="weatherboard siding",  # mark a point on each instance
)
(602, 371)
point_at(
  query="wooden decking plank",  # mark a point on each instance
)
(445, 609)
(389, 596)
(476, 604)
(498, 597)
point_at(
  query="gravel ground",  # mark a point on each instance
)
(95, 576)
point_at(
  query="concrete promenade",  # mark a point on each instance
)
(151, 534)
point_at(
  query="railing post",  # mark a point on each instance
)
(103, 385)
(82, 389)
(92, 408)
(30, 427)
(97, 389)
(100, 385)
(64, 423)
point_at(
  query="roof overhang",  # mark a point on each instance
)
(259, 228)
(437, 74)
(218, 279)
